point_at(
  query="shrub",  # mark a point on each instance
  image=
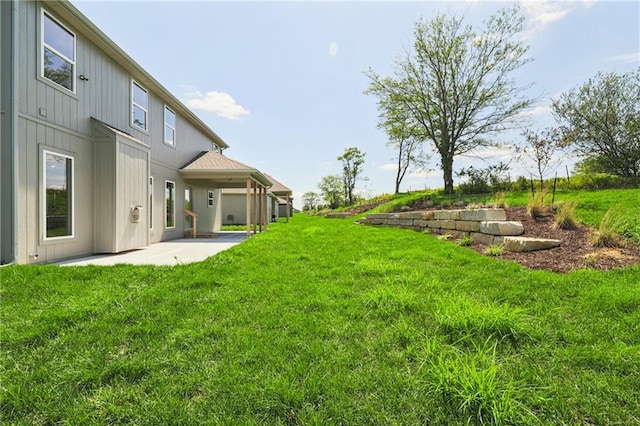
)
(499, 200)
(566, 216)
(465, 240)
(445, 237)
(536, 206)
(606, 235)
(494, 250)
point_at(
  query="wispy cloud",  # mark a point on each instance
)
(538, 110)
(542, 13)
(627, 58)
(389, 167)
(426, 174)
(503, 152)
(220, 103)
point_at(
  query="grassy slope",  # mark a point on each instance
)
(321, 322)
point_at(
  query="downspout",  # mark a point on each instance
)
(14, 126)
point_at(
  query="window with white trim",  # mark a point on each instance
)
(58, 52)
(210, 198)
(139, 106)
(169, 126)
(57, 193)
(150, 202)
(170, 204)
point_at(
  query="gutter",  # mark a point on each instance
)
(13, 128)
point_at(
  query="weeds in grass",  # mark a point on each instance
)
(387, 301)
(591, 260)
(471, 385)
(465, 240)
(494, 250)
(535, 206)
(565, 218)
(606, 234)
(463, 317)
(444, 237)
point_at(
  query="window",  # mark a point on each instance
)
(150, 202)
(58, 195)
(139, 106)
(169, 126)
(58, 53)
(170, 204)
(210, 199)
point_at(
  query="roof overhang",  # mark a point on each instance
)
(223, 171)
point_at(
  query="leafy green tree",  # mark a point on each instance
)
(601, 121)
(539, 153)
(352, 167)
(311, 200)
(332, 190)
(403, 136)
(456, 85)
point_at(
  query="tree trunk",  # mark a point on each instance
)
(447, 174)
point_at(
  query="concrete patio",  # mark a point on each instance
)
(174, 252)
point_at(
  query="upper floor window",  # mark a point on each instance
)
(139, 105)
(58, 53)
(169, 126)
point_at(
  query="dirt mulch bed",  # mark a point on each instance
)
(574, 252)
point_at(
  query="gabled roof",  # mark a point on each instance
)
(65, 10)
(227, 172)
(278, 188)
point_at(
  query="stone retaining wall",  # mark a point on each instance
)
(486, 226)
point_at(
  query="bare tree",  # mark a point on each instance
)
(538, 155)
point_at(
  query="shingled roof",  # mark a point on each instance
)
(214, 166)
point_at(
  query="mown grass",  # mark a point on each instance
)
(321, 321)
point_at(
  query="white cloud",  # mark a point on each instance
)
(502, 153)
(539, 110)
(545, 12)
(389, 167)
(333, 48)
(627, 58)
(220, 103)
(426, 174)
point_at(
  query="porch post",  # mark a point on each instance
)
(260, 206)
(248, 207)
(255, 207)
(288, 207)
(265, 217)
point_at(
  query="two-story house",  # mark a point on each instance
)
(96, 155)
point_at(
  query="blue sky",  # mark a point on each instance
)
(282, 82)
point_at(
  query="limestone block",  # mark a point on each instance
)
(455, 214)
(400, 222)
(519, 244)
(410, 215)
(448, 224)
(483, 214)
(501, 228)
(467, 225)
(379, 215)
(427, 215)
(421, 223)
(498, 240)
(442, 214)
(374, 222)
(485, 239)
(433, 223)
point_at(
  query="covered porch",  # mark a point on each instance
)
(213, 170)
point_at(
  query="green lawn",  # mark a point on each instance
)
(321, 321)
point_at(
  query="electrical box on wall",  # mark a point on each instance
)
(136, 213)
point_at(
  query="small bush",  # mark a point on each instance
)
(566, 216)
(494, 250)
(606, 235)
(445, 237)
(591, 260)
(465, 240)
(535, 206)
(499, 201)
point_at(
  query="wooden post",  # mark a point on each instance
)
(288, 208)
(259, 195)
(255, 207)
(248, 207)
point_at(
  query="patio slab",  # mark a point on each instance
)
(174, 252)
